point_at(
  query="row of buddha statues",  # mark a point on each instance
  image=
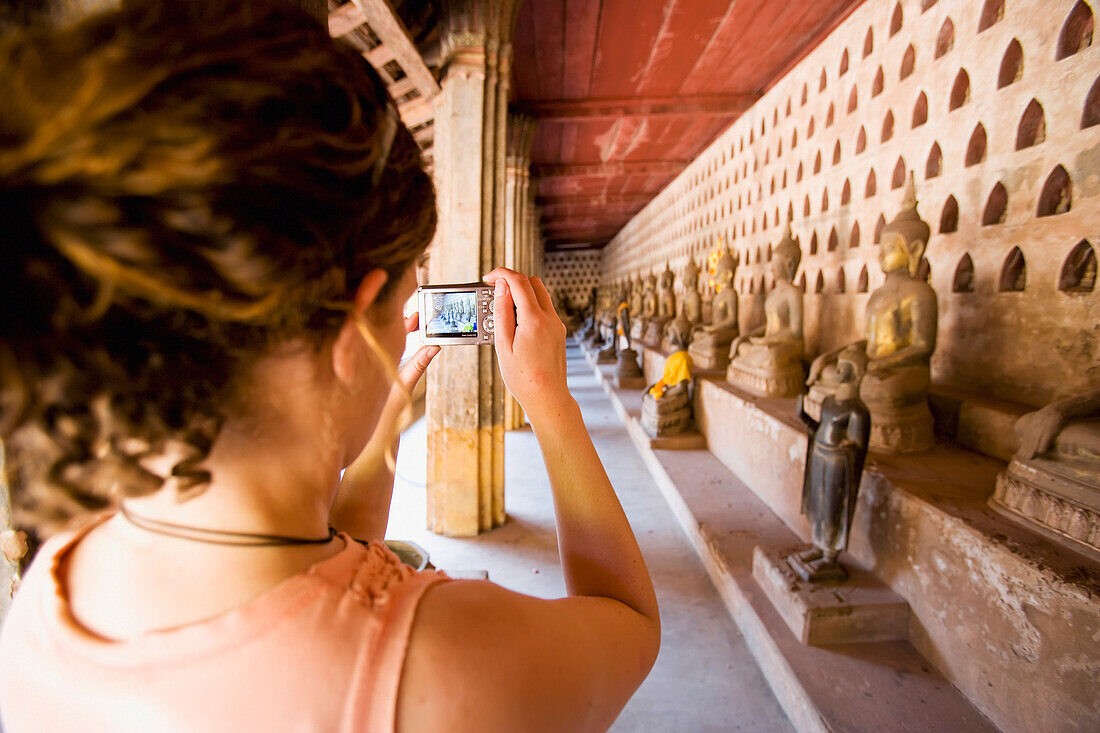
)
(871, 394)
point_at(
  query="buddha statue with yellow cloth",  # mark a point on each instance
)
(900, 338)
(710, 344)
(666, 404)
(768, 361)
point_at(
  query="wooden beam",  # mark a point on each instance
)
(344, 20)
(565, 110)
(612, 168)
(416, 112)
(390, 29)
(379, 56)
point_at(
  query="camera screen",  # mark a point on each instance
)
(452, 314)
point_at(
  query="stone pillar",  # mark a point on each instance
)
(517, 240)
(465, 394)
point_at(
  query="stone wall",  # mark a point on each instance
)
(994, 106)
(573, 274)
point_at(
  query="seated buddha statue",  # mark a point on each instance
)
(635, 302)
(666, 307)
(666, 404)
(1053, 481)
(690, 312)
(710, 343)
(768, 360)
(900, 334)
(649, 308)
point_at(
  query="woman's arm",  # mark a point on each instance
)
(484, 658)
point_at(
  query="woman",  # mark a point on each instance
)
(212, 224)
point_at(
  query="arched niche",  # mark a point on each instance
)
(806, 207)
(871, 187)
(1076, 32)
(868, 42)
(819, 283)
(898, 179)
(843, 63)
(824, 200)
(926, 4)
(834, 241)
(1078, 273)
(908, 62)
(996, 206)
(878, 83)
(798, 174)
(794, 139)
(934, 165)
(1057, 194)
(861, 140)
(963, 279)
(824, 82)
(945, 41)
(992, 12)
(802, 282)
(813, 244)
(830, 115)
(862, 284)
(805, 95)
(853, 99)
(924, 270)
(888, 126)
(836, 152)
(1012, 65)
(1013, 273)
(817, 162)
(960, 91)
(896, 20)
(846, 193)
(841, 281)
(810, 128)
(1091, 114)
(949, 217)
(853, 236)
(975, 149)
(920, 110)
(879, 226)
(1032, 129)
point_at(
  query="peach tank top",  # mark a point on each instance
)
(321, 651)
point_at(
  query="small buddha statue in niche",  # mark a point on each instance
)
(666, 404)
(690, 311)
(1053, 481)
(636, 297)
(768, 360)
(629, 374)
(649, 307)
(666, 307)
(901, 322)
(710, 344)
(835, 455)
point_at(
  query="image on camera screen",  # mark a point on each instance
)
(452, 315)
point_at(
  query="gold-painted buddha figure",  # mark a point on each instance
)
(768, 360)
(900, 328)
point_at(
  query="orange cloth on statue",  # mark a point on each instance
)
(618, 318)
(677, 369)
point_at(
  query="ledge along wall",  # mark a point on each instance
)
(995, 107)
(1027, 346)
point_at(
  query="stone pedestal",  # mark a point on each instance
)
(713, 354)
(786, 381)
(862, 609)
(655, 331)
(1049, 498)
(629, 374)
(904, 429)
(667, 417)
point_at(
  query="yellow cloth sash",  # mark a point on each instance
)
(677, 369)
(619, 318)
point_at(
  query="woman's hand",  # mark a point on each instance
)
(530, 342)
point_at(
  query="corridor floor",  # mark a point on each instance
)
(705, 679)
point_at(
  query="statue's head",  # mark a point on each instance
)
(725, 270)
(786, 257)
(667, 278)
(651, 280)
(691, 275)
(851, 364)
(904, 239)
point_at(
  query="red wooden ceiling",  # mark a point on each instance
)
(628, 91)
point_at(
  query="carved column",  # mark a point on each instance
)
(517, 240)
(465, 395)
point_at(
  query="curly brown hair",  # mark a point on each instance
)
(182, 186)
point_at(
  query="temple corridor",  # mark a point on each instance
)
(705, 678)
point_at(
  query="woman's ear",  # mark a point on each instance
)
(346, 350)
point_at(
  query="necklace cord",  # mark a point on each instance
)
(221, 537)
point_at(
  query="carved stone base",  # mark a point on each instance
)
(712, 357)
(667, 417)
(785, 382)
(1052, 502)
(628, 365)
(861, 610)
(630, 383)
(834, 573)
(907, 429)
(607, 355)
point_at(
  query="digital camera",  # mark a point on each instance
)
(456, 314)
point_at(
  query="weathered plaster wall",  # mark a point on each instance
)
(1026, 346)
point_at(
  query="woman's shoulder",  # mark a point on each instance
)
(375, 574)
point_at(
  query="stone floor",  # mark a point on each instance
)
(705, 678)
